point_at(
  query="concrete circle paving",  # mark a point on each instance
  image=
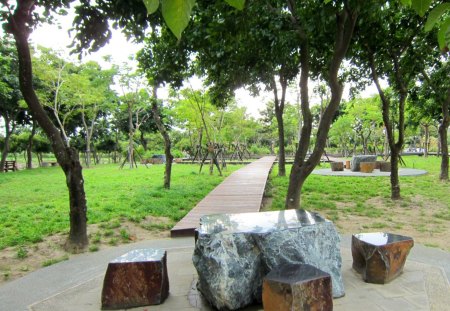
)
(375, 173)
(76, 284)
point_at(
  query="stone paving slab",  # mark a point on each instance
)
(422, 286)
(375, 173)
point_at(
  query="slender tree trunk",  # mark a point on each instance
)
(443, 128)
(165, 135)
(130, 135)
(30, 147)
(427, 139)
(395, 147)
(279, 110)
(67, 157)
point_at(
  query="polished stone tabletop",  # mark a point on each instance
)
(381, 238)
(141, 255)
(261, 222)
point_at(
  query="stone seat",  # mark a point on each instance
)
(380, 257)
(367, 167)
(337, 166)
(297, 287)
(137, 278)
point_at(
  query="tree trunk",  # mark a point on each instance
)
(443, 128)
(279, 109)
(165, 135)
(130, 136)
(143, 141)
(67, 157)
(395, 183)
(5, 150)
(427, 139)
(30, 147)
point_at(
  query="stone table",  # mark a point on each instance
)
(234, 252)
(137, 278)
(380, 256)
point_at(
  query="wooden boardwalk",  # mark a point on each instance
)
(240, 192)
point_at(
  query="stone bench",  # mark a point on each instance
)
(380, 257)
(137, 278)
(297, 287)
(234, 251)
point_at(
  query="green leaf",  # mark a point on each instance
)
(444, 34)
(421, 6)
(238, 4)
(177, 13)
(435, 14)
(406, 2)
(151, 5)
(326, 1)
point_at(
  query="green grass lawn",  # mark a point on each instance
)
(34, 203)
(325, 192)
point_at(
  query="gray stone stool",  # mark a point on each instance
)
(137, 278)
(297, 287)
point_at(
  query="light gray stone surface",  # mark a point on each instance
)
(356, 160)
(232, 258)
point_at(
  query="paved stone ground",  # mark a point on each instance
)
(76, 284)
(375, 173)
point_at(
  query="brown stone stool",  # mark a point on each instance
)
(137, 278)
(367, 167)
(297, 287)
(380, 256)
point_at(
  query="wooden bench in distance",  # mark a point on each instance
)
(10, 166)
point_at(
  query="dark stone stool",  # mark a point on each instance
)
(337, 166)
(137, 278)
(385, 166)
(380, 256)
(297, 287)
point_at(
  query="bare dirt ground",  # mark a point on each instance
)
(417, 218)
(51, 250)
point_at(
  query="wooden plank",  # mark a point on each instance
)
(240, 192)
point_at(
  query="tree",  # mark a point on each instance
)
(10, 110)
(313, 42)
(19, 20)
(91, 94)
(164, 62)
(430, 102)
(391, 44)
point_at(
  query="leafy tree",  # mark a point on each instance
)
(430, 103)
(163, 62)
(391, 44)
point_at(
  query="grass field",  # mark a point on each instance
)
(34, 203)
(364, 204)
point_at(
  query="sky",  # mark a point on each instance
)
(56, 36)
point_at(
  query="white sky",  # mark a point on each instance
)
(56, 37)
